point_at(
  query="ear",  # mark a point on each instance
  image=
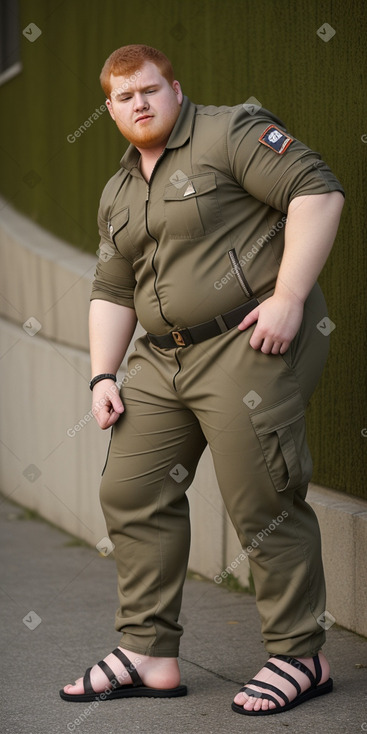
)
(176, 86)
(110, 108)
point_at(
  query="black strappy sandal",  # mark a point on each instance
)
(136, 688)
(312, 692)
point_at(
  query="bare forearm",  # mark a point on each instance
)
(110, 331)
(312, 223)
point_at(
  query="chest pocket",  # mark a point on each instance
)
(117, 228)
(192, 209)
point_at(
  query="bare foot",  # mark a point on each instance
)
(267, 676)
(154, 672)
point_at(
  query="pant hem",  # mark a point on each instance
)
(152, 652)
(299, 651)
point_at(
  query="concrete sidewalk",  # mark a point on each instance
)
(58, 600)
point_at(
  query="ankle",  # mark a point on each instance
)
(309, 663)
(155, 671)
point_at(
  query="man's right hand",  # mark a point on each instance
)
(111, 327)
(107, 405)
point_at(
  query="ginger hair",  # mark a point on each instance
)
(129, 59)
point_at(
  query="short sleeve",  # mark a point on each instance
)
(271, 164)
(114, 279)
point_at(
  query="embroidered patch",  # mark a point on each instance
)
(275, 139)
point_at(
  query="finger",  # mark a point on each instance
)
(249, 319)
(112, 419)
(264, 343)
(270, 346)
(101, 407)
(107, 419)
(276, 347)
(117, 403)
(102, 417)
(284, 347)
(267, 346)
(258, 340)
(280, 347)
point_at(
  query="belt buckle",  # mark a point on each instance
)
(178, 338)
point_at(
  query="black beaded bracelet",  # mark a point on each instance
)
(98, 378)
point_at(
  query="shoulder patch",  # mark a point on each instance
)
(275, 139)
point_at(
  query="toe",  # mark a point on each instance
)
(75, 688)
(240, 699)
(248, 702)
(252, 704)
(278, 683)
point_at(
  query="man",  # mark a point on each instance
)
(195, 247)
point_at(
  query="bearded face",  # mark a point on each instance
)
(145, 106)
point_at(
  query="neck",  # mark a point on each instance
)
(151, 155)
(148, 160)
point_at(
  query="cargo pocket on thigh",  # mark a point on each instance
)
(281, 430)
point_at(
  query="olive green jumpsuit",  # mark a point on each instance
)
(205, 236)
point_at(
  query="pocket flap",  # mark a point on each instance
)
(118, 220)
(278, 416)
(281, 430)
(194, 186)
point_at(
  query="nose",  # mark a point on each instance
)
(140, 101)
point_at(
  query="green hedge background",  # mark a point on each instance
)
(223, 52)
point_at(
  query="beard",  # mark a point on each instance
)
(151, 134)
(145, 138)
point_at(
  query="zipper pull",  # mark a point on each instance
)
(238, 272)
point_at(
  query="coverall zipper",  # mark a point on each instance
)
(239, 273)
(178, 371)
(155, 240)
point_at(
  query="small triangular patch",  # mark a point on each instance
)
(190, 190)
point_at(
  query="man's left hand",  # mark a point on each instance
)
(278, 320)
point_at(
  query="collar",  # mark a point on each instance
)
(180, 134)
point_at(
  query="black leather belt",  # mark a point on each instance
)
(206, 330)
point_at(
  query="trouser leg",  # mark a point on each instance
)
(253, 419)
(154, 451)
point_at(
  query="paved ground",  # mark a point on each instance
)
(72, 589)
